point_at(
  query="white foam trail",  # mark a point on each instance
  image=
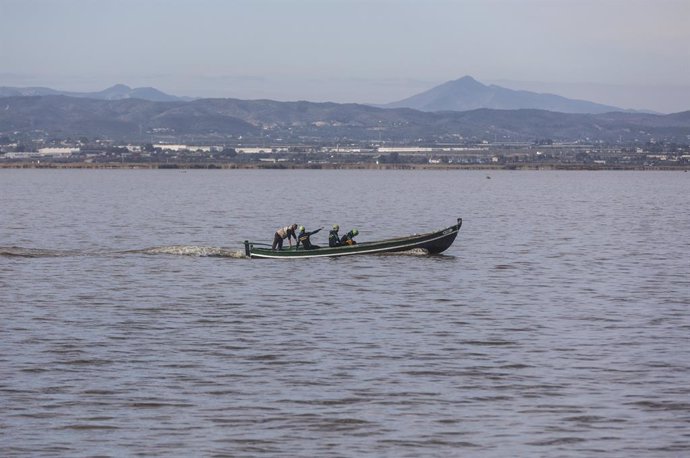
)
(193, 250)
(412, 252)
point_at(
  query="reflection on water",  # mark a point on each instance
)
(556, 324)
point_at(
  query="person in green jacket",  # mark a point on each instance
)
(333, 237)
(349, 238)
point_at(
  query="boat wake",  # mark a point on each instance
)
(412, 252)
(19, 252)
(192, 250)
(178, 250)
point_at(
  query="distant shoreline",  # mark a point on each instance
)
(283, 166)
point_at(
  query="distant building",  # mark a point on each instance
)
(22, 155)
(260, 150)
(405, 149)
(57, 152)
(172, 147)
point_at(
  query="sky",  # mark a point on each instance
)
(627, 53)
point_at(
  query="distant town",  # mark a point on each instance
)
(143, 127)
(497, 155)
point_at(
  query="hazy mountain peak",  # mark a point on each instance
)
(468, 80)
(119, 87)
(117, 92)
(466, 93)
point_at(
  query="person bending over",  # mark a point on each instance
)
(287, 232)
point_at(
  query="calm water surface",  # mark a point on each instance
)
(556, 325)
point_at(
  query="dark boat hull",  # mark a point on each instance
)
(432, 242)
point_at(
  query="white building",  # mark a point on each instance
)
(57, 152)
(162, 146)
(405, 149)
(260, 150)
(21, 155)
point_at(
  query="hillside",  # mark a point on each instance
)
(258, 120)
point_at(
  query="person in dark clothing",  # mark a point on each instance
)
(287, 232)
(303, 238)
(333, 237)
(349, 238)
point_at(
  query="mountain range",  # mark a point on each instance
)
(463, 94)
(117, 92)
(466, 94)
(460, 109)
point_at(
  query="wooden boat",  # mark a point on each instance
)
(431, 242)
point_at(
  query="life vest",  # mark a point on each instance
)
(333, 239)
(304, 240)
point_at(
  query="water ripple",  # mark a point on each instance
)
(556, 325)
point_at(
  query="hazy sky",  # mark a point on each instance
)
(628, 53)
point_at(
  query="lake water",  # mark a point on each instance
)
(558, 323)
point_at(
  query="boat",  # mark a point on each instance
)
(431, 242)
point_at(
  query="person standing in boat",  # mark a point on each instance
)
(303, 238)
(287, 232)
(349, 238)
(333, 237)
